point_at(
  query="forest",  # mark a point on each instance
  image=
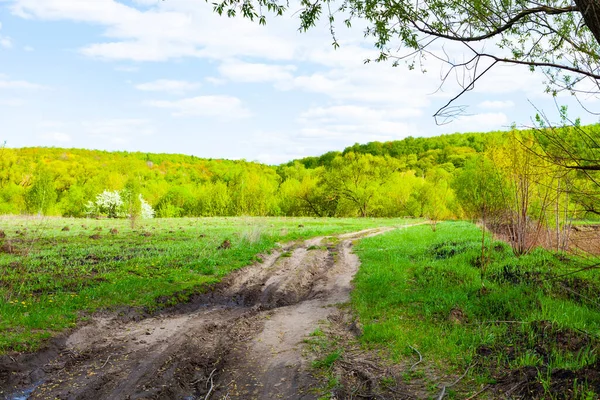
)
(532, 174)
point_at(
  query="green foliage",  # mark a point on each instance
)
(132, 199)
(480, 189)
(50, 276)
(423, 289)
(440, 178)
(41, 196)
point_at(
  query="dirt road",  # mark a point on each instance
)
(242, 340)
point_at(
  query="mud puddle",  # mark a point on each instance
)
(242, 340)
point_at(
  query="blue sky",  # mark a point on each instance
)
(171, 76)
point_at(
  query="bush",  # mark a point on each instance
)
(110, 204)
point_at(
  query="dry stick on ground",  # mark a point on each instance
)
(105, 362)
(443, 392)
(420, 358)
(478, 393)
(512, 389)
(210, 378)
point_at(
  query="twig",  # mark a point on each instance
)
(463, 375)
(478, 393)
(106, 362)
(210, 378)
(420, 358)
(512, 389)
(441, 396)
(443, 392)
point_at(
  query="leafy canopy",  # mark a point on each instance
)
(560, 36)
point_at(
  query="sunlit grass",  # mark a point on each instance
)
(424, 289)
(53, 272)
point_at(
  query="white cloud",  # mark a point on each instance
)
(28, 48)
(215, 81)
(208, 106)
(5, 41)
(354, 112)
(322, 129)
(60, 137)
(6, 83)
(375, 83)
(166, 30)
(127, 69)
(191, 29)
(11, 102)
(352, 123)
(480, 122)
(170, 86)
(344, 101)
(496, 104)
(118, 131)
(240, 71)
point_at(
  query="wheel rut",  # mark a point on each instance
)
(241, 340)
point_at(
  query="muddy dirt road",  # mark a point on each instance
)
(242, 340)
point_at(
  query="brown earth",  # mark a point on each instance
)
(241, 340)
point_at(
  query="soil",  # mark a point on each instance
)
(540, 340)
(243, 339)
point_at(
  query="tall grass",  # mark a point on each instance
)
(423, 289)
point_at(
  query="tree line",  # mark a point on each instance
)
(479, 175)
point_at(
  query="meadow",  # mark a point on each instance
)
(529, 324)
(526, 326)
(55, 272)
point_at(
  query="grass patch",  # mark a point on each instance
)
(53, 271)
(424, 289)
(328, 351)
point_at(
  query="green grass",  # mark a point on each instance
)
(51, 278)
(424, 289)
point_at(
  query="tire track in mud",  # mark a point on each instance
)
(241, 340)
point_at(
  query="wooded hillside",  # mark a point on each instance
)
(422, 177)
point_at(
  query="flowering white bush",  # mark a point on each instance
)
(107, 202)
(111, 204)
(147, 210)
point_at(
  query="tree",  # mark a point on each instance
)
(561, 37)
(132, 199)
(436, 195)
(479, 188)
(357, 178)
(530, 188)
(41, 196)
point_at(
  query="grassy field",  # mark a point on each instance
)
(535, 327)
(54, 272)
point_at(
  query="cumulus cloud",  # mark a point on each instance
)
(170, 86)
(118, 130)
(204, 106)
(186, 29)
(5, 41)
(7, 83)
(125, 68)
(344, 100)
(240, 71)
(59, 137)
(481, 122)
